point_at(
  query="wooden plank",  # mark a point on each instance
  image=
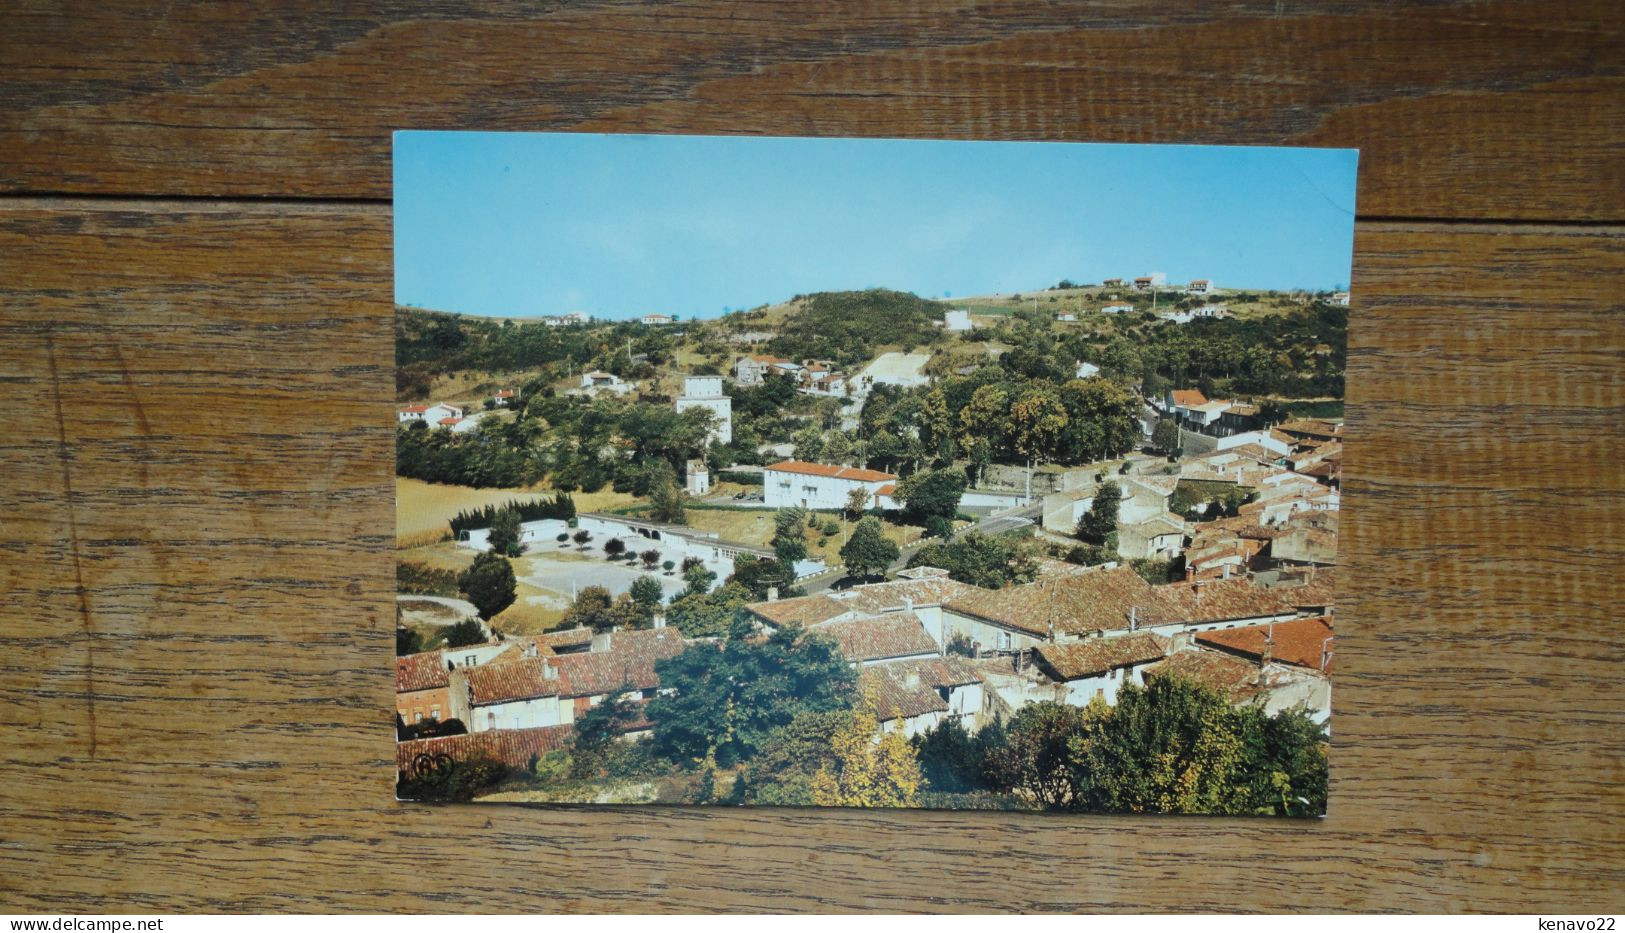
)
(1508, 109)
(198, 523)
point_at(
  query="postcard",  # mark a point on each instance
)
(868, 472)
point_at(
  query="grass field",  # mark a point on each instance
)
(422, 510)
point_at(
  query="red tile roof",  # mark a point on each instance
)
(423, 671)
(415, 409)
(450, 420)
(1231, 677)
(870, 599)
(1096, 601)
(1099, 655)
(1298, 641)
(904, 689)
(1222, 600)
(504, 393)
(877, 638)
(1188, 397)
(629, 664)
(824, 469)
(513, 747)
(1319, 592)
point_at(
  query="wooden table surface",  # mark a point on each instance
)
(197, 522)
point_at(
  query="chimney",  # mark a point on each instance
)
(660, 620)
(1325, 652)
(1268, 654)
(1133, 618)
(908, 604)
(1196, 588)
(530, 649)
(772, 593)
(912, 679)
(601, 641)
(549, 672)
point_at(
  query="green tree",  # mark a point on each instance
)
(1101, 520)
(668, 501)
(1042, 759)
(979, 560)
(782, 773)
(809, 444)
(726, 699)
(407, 641)
(857, 502)
(935, 493)
(465, 632)
(614, 548)
(646, 592)
(698, 577)
(1165, 436)
(504, 534)
(1038, 423)
(701, 614)
(868, 551)
(488, 583)
(596, 732)
(594, 608)
(789, 536)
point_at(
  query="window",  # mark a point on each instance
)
(468, 660)
(1004, 641)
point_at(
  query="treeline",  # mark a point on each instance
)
(847, 327)
(561, 507)
(1172, 746)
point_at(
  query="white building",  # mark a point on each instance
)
(1117, 307)
(1066, 316)
(750, 370)
(1199, 287)
(699, 478)
(1340, 298)
(1085, 370)
(433, 415)
(706, 392)
(1148, 282)
(597, 381)
(657, 320)
(956, 320)
(793, 483)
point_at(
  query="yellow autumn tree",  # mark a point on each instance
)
(868, 773)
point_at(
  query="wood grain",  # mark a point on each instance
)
(1506, 110)
(198, 523)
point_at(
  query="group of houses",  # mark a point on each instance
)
(927, 649)
(454, 418)
(813, 377)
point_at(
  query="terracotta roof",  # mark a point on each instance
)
(512, 747)
(1297, 641)
(450, 420)
(1188, 397)
(1099, 655)
(903, 689)
(1311, 427)
(629, 664)
(415, 409)
(886, 490)
(871, 599)
(423, 671)
(876, 638)
(504, 393)
(1222, 600)
(1099, 600)
(1242, 409)
(566, 638)
(1231, 677)
(825, 469)
(1318, 592)
(506, 682)
(1198, 281)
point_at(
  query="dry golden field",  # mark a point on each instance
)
(422, 510)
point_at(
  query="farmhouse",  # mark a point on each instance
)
(429, 414)
(957, 320)
(657, 320)
(1117, 307)
(817, 485)
(1199, 287)
(750, 370)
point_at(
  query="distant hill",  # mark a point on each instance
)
(850, 327)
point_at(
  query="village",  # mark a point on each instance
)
(955, 535)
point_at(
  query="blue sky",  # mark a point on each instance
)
(525, 224)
